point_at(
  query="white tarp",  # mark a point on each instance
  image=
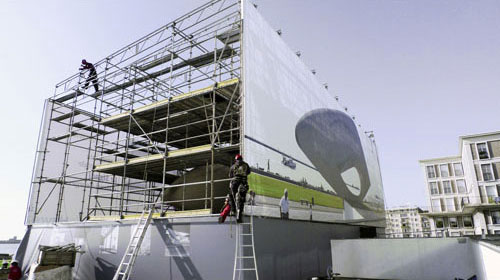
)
(109, 235)
(295, 129)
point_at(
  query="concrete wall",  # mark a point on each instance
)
(195, 248)
(192, 248)
(443, 258)
(487, 259)
(288, 249)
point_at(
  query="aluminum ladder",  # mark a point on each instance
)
(125, 268)
(245, 262)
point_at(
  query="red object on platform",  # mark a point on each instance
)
(15, 273)
(224, 213)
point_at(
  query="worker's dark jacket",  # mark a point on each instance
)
(239, 171)
(89, 66)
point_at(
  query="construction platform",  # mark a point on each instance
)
(174, 113)
(153, 166)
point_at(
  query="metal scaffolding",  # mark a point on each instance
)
(160, 132)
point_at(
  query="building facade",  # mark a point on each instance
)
(463, 191)
(406, 222)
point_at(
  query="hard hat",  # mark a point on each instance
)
(238, 157)
(14, 261)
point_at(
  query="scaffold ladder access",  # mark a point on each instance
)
(245, 263)
(125, 268)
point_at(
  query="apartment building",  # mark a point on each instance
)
(464, 191)
(406, 222)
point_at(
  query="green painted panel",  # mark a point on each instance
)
(267, 186)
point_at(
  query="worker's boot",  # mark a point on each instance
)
(239, 207)
(239, 216)
(239, 212)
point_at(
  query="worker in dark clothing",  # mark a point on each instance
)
(14, 271)
(92, 75)
(239, 186)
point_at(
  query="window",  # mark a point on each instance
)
(439, 223)
(436, 205)
(467, 221)
(444, 170)
(482, 150)
(487, 172)
(434, 188)
(431, 173)
(461, 186)
(450, 204)
(453, 222)
(457, 167)
(491, 192)
(447, 187)
(495, 217)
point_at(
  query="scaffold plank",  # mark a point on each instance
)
(152, 165)
(159, 105)
(185, 115)
(168, 214)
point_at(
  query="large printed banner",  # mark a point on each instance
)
(295, 130)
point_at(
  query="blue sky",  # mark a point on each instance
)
(418, 73)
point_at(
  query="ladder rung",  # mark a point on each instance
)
(245, 269)
(246, 245)
(245, 257)
(245, 234)
(245, 223)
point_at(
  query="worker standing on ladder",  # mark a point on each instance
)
(92, 75)
(239, 186)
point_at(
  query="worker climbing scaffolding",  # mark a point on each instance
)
(239, 186)
(92, 77)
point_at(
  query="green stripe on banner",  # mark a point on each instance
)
(267, 186)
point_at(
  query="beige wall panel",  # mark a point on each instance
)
(479, 176)
(496, 170)
(494, 147)
(473, 150)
